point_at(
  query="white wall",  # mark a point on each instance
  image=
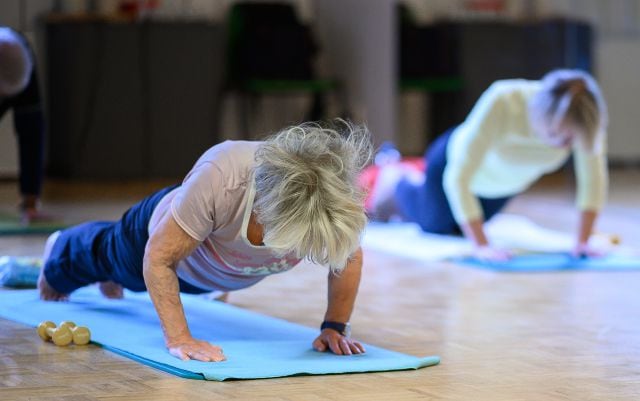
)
(619, 75)
(358, 37)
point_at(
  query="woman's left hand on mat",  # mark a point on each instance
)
(338, 344)
(191, 348)
(487, 253)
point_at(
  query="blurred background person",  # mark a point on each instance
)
(19, 92)
(518, 131)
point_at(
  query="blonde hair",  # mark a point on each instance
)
(307, 196)
(573, 96)
(15, 63)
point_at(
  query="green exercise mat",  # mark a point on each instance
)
(10, 224)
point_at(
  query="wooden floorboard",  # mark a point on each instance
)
(555, 336)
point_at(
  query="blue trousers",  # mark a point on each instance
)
(30, 133)
(105, 251)
(427, 204)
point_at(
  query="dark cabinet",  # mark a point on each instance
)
(131, 100)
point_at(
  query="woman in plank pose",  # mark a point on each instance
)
(245, 211)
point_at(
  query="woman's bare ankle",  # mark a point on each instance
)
(111, 290)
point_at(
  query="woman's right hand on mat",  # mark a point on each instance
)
(331, 340)
(584, 250)
(191, 348)
(488, 253)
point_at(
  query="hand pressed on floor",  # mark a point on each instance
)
(190, 348)
(337, 343)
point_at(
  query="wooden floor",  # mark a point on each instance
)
(559, 336)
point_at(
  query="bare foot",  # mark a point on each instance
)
(111, 290)
(30, 212)
(34, 216)
(383, 200)
(47, 293)
(224, 297)
(220, 296)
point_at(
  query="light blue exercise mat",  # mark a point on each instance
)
(256, 346)
(548, 262)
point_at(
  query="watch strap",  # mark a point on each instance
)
(337, 326)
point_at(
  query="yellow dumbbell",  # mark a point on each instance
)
(68, 324)
(59, 335)
(612, 239)
(64, 334)
(615, 239)
(81, 335)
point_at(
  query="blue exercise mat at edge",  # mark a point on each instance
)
(548, 262)
(256, 346)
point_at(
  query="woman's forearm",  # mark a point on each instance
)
(474, 232)
(167, 245)
(343, 289)
(586, 224)
(164, 290)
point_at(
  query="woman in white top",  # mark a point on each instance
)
(246, 210)
(518, 131)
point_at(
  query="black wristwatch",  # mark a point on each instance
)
(342, 328)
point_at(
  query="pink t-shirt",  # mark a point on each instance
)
(213, 205)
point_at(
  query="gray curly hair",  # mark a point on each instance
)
(15, 63)
(307, 196)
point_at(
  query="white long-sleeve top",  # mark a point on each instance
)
(496, 153)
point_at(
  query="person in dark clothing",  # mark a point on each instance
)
(20, 93)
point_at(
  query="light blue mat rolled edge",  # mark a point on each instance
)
(256, 346)
(556, 262)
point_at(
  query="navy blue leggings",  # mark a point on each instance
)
(30, 133)
(104, 250)
(427, 204)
